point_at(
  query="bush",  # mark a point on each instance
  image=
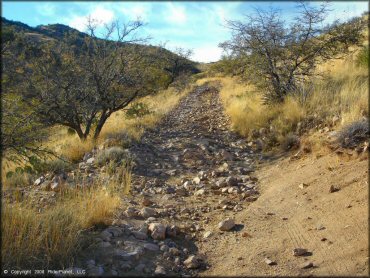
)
(363, 57)
(115, 154)
(290, 142)
(354, 134)
(57, 166)
(137, 110)
(18, 179)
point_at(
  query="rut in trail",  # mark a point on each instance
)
(189, 173)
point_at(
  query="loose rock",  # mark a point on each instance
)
(226, 225)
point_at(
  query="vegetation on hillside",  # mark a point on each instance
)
(280, 58)
(280, 81)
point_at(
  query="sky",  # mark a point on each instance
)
(199, 26)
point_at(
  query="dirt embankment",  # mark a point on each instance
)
(297, 209)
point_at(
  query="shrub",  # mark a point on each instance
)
(363, 57)
(18, 178)
(115, 154)
(354, 134)
(137, 110)
(290, 142)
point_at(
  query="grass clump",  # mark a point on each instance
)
(115, 154)
(353, 134)
(51, 238)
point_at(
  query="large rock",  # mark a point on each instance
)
(157, 230)
(226, 225)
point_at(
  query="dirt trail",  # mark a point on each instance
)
(192, 172)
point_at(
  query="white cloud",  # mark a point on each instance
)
(99, 14)
(46, 9)
(206, 54)
(175, 14)
(136, 11)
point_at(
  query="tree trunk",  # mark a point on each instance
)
(80, 134)
(102, 120)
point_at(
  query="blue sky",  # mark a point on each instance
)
(195, 25)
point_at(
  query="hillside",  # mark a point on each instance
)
(58, 32)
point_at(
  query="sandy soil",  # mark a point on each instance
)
(332, 226)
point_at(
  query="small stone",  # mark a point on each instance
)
(333, 189)
(303, 185)
(171, 231)
(307, 265)
(226, 224)
(196, 180)
(131, 212)
(158, 230)
(200, 192)
(151, 246)
(320, 227)
(91, 160)
(164, 248)
(207, 234)
(146, 202)
(232, 181)
(140, 235)
(192, 262)
(174, 251)
(148, 212)
(115, 231)
(160, 270)
(269, 262)
(299, 252)
(39, 181)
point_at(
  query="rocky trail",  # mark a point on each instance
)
(191, 177)
(199, 206)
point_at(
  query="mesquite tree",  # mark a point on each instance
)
(80, 81)
(279, 56)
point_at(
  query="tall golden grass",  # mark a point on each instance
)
(342, 91)
(51, 238)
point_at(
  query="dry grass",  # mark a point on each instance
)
(71, 148)
(51, 238)
(343, 92)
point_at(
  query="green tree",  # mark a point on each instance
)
(79, 83)
(279, 56)
(21, 132)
